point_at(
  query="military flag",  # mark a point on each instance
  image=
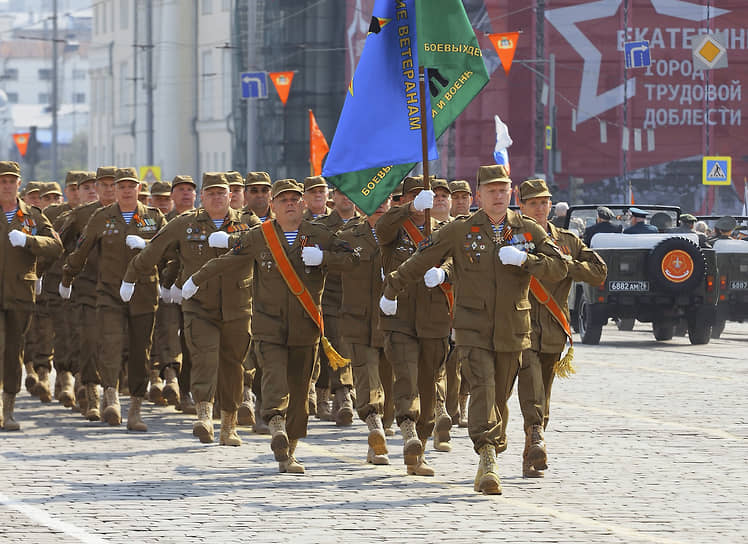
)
(318, 147)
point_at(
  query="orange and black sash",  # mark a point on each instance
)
(563, 367)
(299, 290)
(416, 236)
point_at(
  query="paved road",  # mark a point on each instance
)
(647, 443)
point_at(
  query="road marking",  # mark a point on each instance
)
(628, 415)
(39, 516)
(661, 370)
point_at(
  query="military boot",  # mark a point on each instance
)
(203, 427)
(487, 478)
(312, 400)
(134, 420)
(534, 457)
(323, 404)
(344, 415)
(111, 413)
(291, 465)
(67, 389)
(375, 458)
(441, 428)
(171, 386)
(421, 466)
(156, 389)
(42, 389)
(463, 421)
(186, 403)
(92, 398)
(412, 446)
(80, 395)
(228, 436)
(246, 414)
(31, 377)
(279, 440)
(377, 440)
(9, 403)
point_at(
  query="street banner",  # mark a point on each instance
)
(282, 82)
(318, 147)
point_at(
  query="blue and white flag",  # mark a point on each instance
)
(503, 141)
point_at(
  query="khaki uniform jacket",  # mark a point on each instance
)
(492, 310)
(309, 216)
(333, 295)
(52, 270)
(73, 224)
(583, 265)
(185, 240)
(247, 211)
(362, 288)
(18, 264)
(107, 230)
(277, 315)
(421, 311)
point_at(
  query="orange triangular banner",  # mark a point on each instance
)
(318, 147)
(282, 82)
(22, 142)
(506, 45)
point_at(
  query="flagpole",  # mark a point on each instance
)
(424, 144)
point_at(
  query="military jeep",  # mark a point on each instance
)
(653, 278)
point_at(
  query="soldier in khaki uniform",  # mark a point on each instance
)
(25, 236)
(236, 186)
(548, 337)
(216, 318)
(120, 231)
(442, 200)
(416, 333)
(284, 336)
(144, 194)
(462, 197)
(257, 195)
(495, 251)
(30, 195)
(315, 197)
(96, 190)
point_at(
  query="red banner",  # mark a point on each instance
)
(318, 147)
(505, 45)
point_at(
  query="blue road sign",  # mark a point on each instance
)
(254, 84)
(717, 171)
(637, 54)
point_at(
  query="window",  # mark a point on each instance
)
(124, 12)
(12, 98)
(45, 74)
(79, 98)
(207, 7)
(79, 74)
(43, 98)
(11, 74)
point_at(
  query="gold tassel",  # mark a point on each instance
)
(564, 368)
(336, 360)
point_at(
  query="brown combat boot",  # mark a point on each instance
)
(9, 403)
(534, 457)
(156, 389)
(228, 436)
(134, 420)
(412, 446)
(246, 413)
(441, 428)
(42, 389)
(344, 415)
(279, 438)
(291, 465)
(487, 479)
(463, 417)
(312, 400)
(67, 389)
(171, 386)
(111, 413)
(203, 427)
(377, 440)
(92, 399)
(323, 404)
(421, 466)
(31, 377)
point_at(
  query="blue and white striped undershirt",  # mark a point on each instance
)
(291, 236)
(218, 223)
(127, 216)
(9, 215)
(263, 218)
(498, 229)
(374, 233)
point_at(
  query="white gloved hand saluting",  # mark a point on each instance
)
(17, 238)
(189, 289)
(218, 239)
(388, 307)
(434, 276)
(126, 290)
(175, 294)
(134, 241)
(512, 256)
(423, 200)
(64, 291)
(312, 256)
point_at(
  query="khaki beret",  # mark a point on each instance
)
(50, 188)
(688, 217)
(234, 178)
(285, 185)
(87, 176)
(495, 173)
(126, 174)
(460, 185)
(32, 186)
(161, 188)
(10, 167)
(214, 179)
(412, 183)
(440, 184)
(314, 181)
(258, 178)
(74, 177)
(183, 179)
(105, 172)
(533, 188)
(145, 190)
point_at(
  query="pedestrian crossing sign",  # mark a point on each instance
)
(717, 171)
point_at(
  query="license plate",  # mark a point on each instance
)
(739, 284)
(628, 285)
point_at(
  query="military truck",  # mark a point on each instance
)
(653, 278)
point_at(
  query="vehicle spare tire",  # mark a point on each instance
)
(676, 265)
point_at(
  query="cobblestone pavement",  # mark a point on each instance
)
(648, 442)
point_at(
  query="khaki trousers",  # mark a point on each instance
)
(14, 324)
(44, 334)
(388, 383)
(457, 385)
(416, 364)
(491, 375)
(167, 348)
(286, 377)
(217, 349)
(329, 378)
(366, 362)
(534, 386)
(89, 344)
(63, 319)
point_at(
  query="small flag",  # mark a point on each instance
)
(282, 82)
(318, 147)
(22, 142)
(631, 194)
(503, 141)
(505, 45)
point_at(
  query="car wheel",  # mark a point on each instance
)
(588, 331)
(663, 330)
(699, 330)
(676, 265)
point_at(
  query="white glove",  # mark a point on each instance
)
(164, 294)
(38, 287)
(189, 289)
(423, 200)
(134, 242)
(17, 238)
(219, 239)
(312, 256)
(434, 276)
(388, 307)
(126, 290)
(513, 256)
(175, 293)
(64, 291)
